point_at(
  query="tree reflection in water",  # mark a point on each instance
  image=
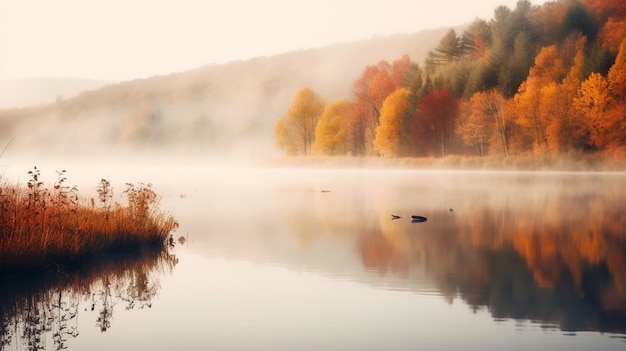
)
(37, 311)
(551, 251)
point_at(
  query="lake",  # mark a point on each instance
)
(315, 259)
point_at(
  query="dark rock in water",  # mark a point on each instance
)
(418, 219)
(395, 216)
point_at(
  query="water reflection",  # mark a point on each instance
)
(550, 249)
(40, 313)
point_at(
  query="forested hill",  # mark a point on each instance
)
(533, 81)
(216, 108)
(530, 81)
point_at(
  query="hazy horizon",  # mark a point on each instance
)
(118, 41)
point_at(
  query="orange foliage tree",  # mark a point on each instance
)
(617, 74)
(369, 92)
(548, 20)
(356, 129)
(601, 100)
(604, 9)
(487, 123)
(534, 95)
(593, 102)
(617, 87)
(473, 128)
(612, 33)
(566, 128)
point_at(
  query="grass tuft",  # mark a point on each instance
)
(42, 226)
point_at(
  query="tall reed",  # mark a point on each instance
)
(50, 226)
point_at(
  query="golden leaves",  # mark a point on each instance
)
(387, 141)
(295, 132)
(331, 130)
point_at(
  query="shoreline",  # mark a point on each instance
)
(587, 163)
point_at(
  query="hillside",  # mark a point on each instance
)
(225, 108)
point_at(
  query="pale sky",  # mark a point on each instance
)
(122, 40)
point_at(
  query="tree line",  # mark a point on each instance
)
(539, 80)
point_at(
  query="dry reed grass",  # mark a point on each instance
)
(42, 226)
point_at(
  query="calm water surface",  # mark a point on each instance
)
(279, 259)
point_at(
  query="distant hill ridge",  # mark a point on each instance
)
(206, 107)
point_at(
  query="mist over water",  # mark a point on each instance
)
(310, 258)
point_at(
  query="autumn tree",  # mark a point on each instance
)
(295, 132)
(617, 74)
(565, 130)
(617, 88)
(439, 110)
(548, 21)
(473, 128)
(593, 103)
(356, 128)
(369, 91)
(530, 98)
(388, 133)
(331, 130)
(601, 100)
(414, 133)
(285, 137)
(486, 122)
(612, 33)
(613, 15)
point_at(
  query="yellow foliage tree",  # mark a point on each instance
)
(285, 140)
(295, 132)
(387, 140)
(330, 133)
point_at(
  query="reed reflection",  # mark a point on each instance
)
(551, 251)
(41, 313)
